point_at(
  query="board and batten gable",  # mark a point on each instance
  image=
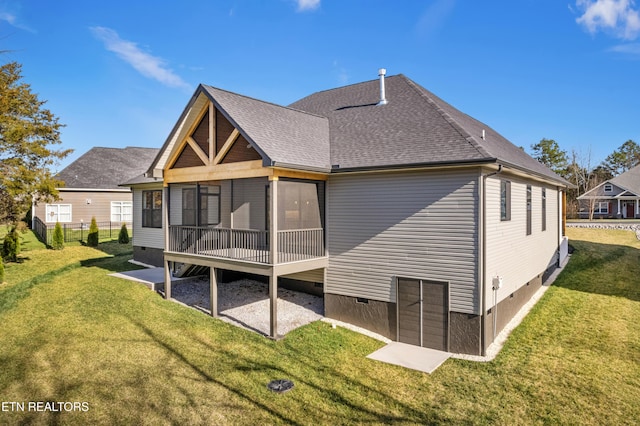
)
(412, 224)
(510, 253)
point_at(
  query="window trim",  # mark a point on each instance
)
(47, 214)
(529, 206)
(544, 209)
(145, 220)
(505, 200)
(609, 186)
(122, 205)
(597, 209)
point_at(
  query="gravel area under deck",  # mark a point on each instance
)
(245, 303)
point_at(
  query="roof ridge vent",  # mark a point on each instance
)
(381, 73)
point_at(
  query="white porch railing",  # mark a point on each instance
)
(246, 244)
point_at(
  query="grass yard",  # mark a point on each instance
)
(70, 333)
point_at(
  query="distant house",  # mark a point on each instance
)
(418, 221)
(91, 188)
(618, 197)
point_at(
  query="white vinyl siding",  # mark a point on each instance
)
(58, 213)
(410, 224)
(510, 254)
(143, 236)
(121, 211)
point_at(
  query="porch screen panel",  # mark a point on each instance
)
(298, 206)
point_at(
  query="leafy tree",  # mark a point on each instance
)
(93, 236)
(57, 240)
(123, 236)
(548, 152)
(28, 133)
(624, 158)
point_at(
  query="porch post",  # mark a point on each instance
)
(213, 290)
(165, 225)
(167, 280)
(619, 211)
(273, 246)
(273, 311)
(273, 220)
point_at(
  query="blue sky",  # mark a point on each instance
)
(119, 73)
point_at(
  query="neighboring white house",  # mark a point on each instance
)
(418, 221)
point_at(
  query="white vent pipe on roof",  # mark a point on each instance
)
(381, 74)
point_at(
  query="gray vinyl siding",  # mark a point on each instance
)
(510, 253)
(403, 224)
(145, 237)
(86, 204)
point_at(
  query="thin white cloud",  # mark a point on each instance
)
(618, 17)
(146, 64)
(434, 17)
(13, 20)
(629, 49)
(307, 5)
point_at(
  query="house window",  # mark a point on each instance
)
(544, 209)
(152, 209)
(601, 207)
(208, 206)
(528, 209)
(505, 200)
(121, 211)
(58, 213)
(608, 187)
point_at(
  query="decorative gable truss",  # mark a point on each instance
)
(211, 141)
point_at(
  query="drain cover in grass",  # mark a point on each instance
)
(280, 386)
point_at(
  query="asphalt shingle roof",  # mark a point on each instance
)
(344, 129)
(629, 180)
(106, 168)
(283, 135)
(414, 127)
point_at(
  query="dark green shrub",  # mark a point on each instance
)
(57, 240)
(94, 233)
(123, 236)
(11, 245)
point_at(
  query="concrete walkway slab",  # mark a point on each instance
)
(410, 356)
(151, 277)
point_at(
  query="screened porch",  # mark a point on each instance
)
(231, 219)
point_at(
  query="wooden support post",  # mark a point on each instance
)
(273, 299)
(213, 289)
(273, 219)
(167, 280)
(273, 245)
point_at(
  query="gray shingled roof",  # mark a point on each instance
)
(282, 136)
(343, 129)
(415, 127)
(106, 168)
(629, 180)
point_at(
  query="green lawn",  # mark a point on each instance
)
(70, 333)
